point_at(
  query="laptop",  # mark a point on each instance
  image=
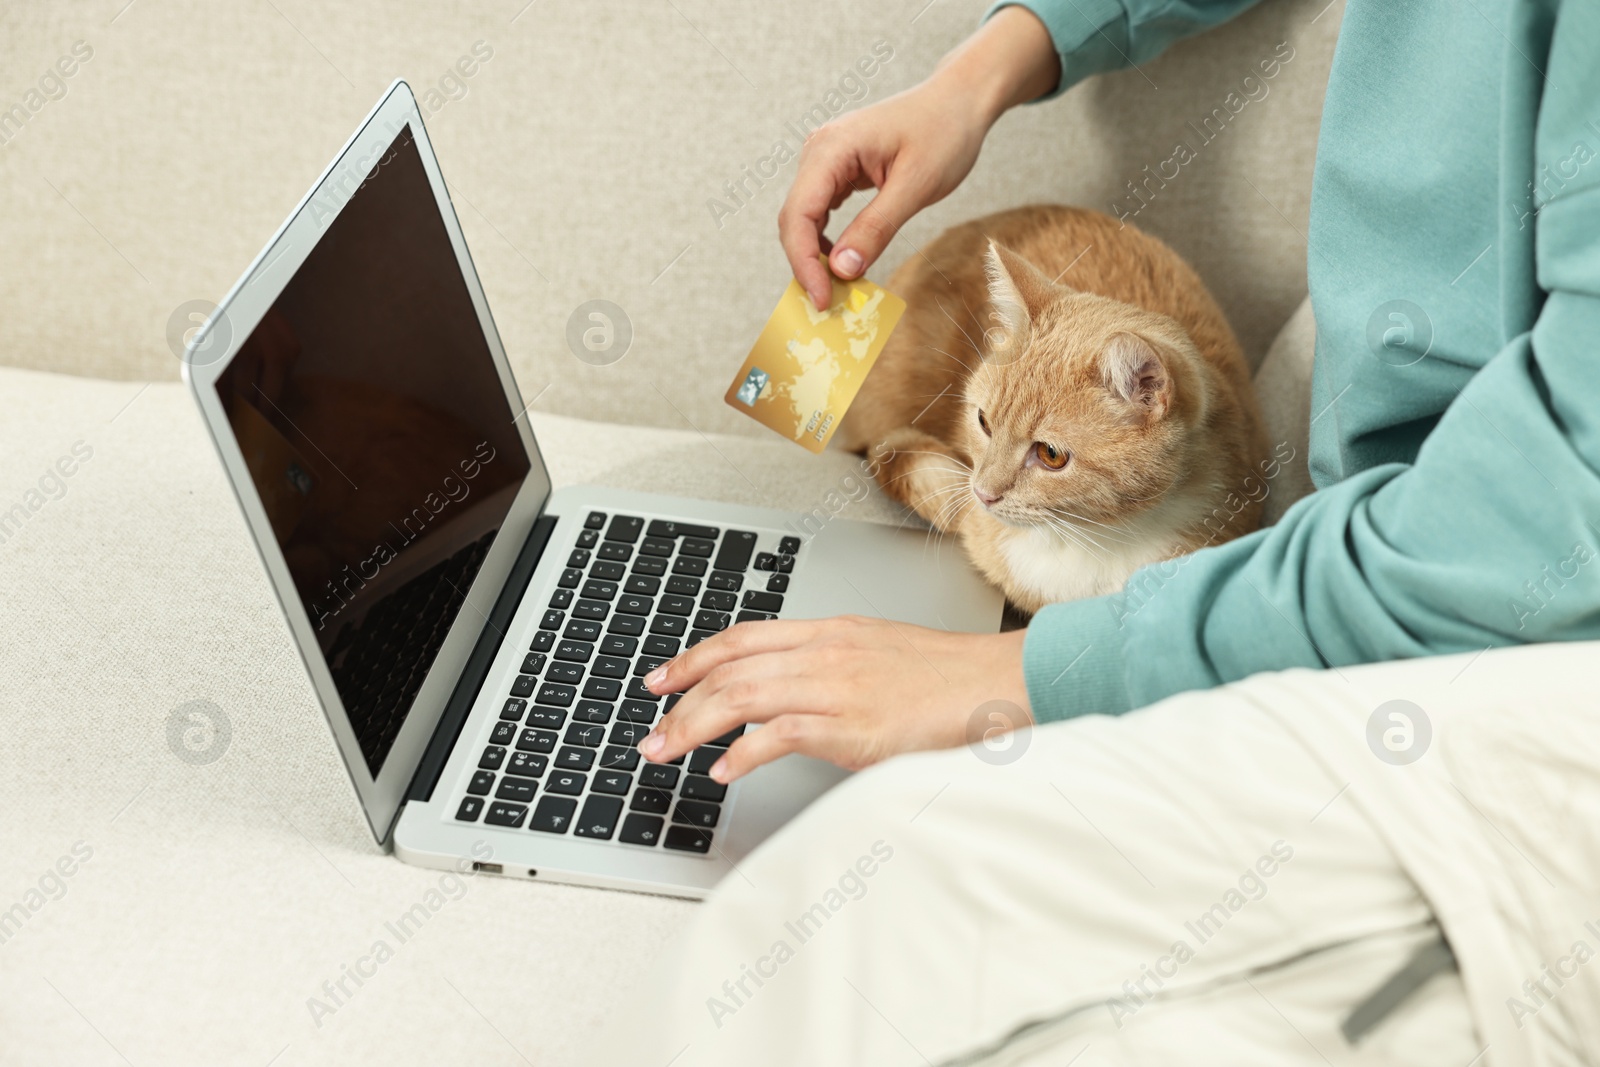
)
(478, 641)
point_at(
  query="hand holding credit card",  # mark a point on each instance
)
(808, 365)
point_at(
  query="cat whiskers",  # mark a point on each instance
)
(1070, 531)
(1108, 531)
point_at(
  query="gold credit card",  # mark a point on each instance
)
(808, 365)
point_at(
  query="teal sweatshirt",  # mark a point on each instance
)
(1454, 268)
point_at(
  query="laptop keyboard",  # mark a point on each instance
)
(562, 757)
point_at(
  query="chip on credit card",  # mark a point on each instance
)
(808, 364)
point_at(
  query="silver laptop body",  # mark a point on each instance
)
(475, 639)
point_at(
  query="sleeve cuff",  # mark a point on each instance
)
(1091, 36)
(1072, 661)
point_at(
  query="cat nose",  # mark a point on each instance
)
(988, 500)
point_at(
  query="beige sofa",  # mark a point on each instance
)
(158, 910)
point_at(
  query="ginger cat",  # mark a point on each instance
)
(1065, 396)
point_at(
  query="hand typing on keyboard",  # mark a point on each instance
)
(849, 690)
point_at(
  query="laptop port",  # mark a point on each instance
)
(488, 868)
(532, 873)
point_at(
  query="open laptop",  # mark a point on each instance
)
(478, 641)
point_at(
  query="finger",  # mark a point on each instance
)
(864, 240)
(753, 689)
(826, 176)
(785, 734)
(743, 639)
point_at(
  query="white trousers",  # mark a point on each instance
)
(1188, 884)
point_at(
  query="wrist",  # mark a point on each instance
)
(1010, 60)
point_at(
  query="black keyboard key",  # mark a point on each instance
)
(583, 733)
(728, 738)
(599, 817)
(553, 814)
(671, 625)
(553, 620)
(582, 630)
(696, 636)
(631, 604)
(728, 583)
(756, 600)
(571, 758)
(650, 565)
(637, 711)
(520, 789)
(655, 546)
(578, 558)
(602, 689)
(617, 758)
(503, 733)
(677, 605)
(544, 641)
(778, 583)
(716, 601)
(537, 741)
(672, 701)
(547, 718)
(595, 521)
(788, 546)
(482, 782)
(689, 565)
(614, 782)
(610, 667)
(734, 555)
(696, 813)
(664, 528)
(637, 691)
(502, 814)
(592, 711)
(593, 610)
(687, 839)
(493, 756)
(608, 572)
(588, 538)
(696, 787)
(570, 673)
(643, 585)
(615, 551)
(513, 709)
(598, 590)
(711, 620)
(656, 645)
(651, 801)
(683, 585)
(472, 806)
(624, 528)
(628, 733)
(766, 561)
(754, 616)
(574, 651)
(568, 783)
(616, 645)
(640, 829)
(785, 564)
(524, 685)
(694, 546)
(659, 775)
(646, 664)
(570, 578)
(627, 625)
(561, 598)
(554, 693)
(526, 764)
(701, 759)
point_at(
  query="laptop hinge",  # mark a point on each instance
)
(478, 664)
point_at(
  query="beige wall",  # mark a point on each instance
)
(582, 158)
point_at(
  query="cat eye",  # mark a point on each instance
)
(983, 424)
(1050, 456)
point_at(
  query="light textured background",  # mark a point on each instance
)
(582, 159)
(220, 897)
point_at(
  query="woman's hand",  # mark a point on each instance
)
(914, 148)
(849, 690)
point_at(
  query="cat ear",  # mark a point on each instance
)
(1133, 371)
(1018, 290)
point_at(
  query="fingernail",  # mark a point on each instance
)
(656, 677)
(653, 744)
(719, 770)
(846, 262)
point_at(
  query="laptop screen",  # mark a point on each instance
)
(379, 437)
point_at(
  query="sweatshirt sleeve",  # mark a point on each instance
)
(1489, 538)
(1094, 36)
